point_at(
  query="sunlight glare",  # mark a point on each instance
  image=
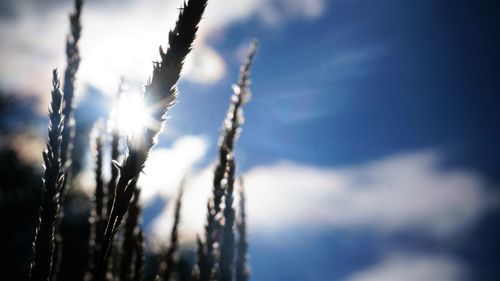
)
(131, 114)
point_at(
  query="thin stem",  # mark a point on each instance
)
(168, 266)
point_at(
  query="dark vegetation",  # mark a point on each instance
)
(109, 223)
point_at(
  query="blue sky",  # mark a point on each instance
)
(371, 143)
(368, 79)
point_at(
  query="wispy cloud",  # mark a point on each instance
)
(413, 267)
(355, 62)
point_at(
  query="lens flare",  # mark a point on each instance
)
(130, 116)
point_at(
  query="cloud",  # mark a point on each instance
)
(193, 213)
(164, 169)
(122, 40)
(411, 267)
(167, 166)
(204, 65)
(224, 13)
(400, 193)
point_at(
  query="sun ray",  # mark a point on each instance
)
(132, 116)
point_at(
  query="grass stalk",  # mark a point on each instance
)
(73, 62)
(227, 247)
(232, 125)
(160, 94)
(53, 177)
(97, 218)
(139, 257)
(115, 150)
(241, 263)
(114, 264)
(200, 259)
(99, 188)
(168, 266)
(130, 237)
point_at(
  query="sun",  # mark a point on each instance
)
(130, 114)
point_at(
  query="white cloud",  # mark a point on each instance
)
(193, 212)
(221, 14)
(399, 193)
(204, 65)
(122, 40)
(411, 267)
(165, 167)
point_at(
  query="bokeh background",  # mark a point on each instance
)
(370, 149)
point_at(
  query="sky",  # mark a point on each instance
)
(370, 145)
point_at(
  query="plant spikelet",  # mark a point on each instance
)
(52, 181)
(231, 128)
(160, 94)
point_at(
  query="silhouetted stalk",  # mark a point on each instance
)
(206, 262)
(53, 177)
(99, 188)
(114, 266)
(206, 255)
(160, 94)
(139, 257)
(130, 237)
(115, 150)
(73, 62)
(241, 267)
(113, 270)
(97, 219)
(200, 256)
(227, 242)
(169, 265)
